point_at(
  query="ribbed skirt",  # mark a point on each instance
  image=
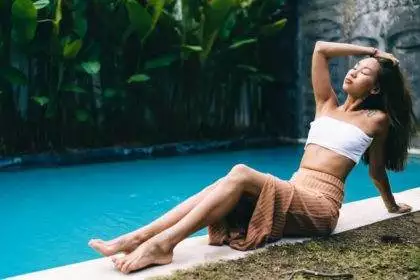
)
(306, 205)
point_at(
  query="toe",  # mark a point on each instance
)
(116, 261)
(92, 241)
(120, 263)
(133, 266)
(125, 268)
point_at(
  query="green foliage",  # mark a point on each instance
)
(71, 49)
(91, 67)
(140, 18)
(41, 100)
(13, 76)
(24, 16)
(138, 78)
(84, 63)
(242, 43)
(271, 29)
(40, 4)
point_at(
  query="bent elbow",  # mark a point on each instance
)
(319, 46)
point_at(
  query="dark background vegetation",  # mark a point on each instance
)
(83, 74)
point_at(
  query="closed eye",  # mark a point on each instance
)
(365, 71)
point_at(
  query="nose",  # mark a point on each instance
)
(353, 73)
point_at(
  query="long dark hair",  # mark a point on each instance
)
(394, 99)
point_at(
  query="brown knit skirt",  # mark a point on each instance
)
(306, 205)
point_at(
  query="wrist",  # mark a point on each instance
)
(374, 52)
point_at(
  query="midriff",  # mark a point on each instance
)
(324, 160)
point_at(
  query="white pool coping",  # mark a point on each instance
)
(195, 251)
(414, 151)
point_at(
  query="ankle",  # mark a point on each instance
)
(164, 246)
(143, 235)
(165, 240)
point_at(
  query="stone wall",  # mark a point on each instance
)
(393, 26)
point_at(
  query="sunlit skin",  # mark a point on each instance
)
(154, 243)
(360, 81)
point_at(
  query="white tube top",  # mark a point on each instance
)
(341, 137)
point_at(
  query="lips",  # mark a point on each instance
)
(347, 80)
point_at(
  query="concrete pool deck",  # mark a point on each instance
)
(195, 251)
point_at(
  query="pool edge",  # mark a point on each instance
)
(195, 251)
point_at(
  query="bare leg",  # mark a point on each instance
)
(159, 249)
(129, 242)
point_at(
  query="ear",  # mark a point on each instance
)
(375, 90)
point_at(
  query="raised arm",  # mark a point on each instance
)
(378, 173)
(321, 82)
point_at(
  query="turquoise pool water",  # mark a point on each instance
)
(48, 215)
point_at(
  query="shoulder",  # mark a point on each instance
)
(378, 121)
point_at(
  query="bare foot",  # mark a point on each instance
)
(147, 254)
(125, 243)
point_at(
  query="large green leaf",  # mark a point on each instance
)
(40, 4)
(24, 18)
(80, 25)
(71, 49)
(162, 61)
(138, 78)
(158, 6)
(139, 17)
(228, 26)
(13, 76)
(216, 12)
(91, 67)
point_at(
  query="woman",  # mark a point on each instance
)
(247, 209)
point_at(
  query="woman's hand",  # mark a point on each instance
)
(399, 208)
(385, 55)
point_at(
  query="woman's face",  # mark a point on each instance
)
(361, 79)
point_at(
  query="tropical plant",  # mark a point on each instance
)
(104, 72)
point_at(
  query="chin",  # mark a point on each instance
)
(345, 88)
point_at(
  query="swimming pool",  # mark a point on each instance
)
(48, 215)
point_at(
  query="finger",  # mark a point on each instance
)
(404, 210)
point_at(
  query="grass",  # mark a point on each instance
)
(385, 250)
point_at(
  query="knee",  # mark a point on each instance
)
(239, 169)
(239, 174)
